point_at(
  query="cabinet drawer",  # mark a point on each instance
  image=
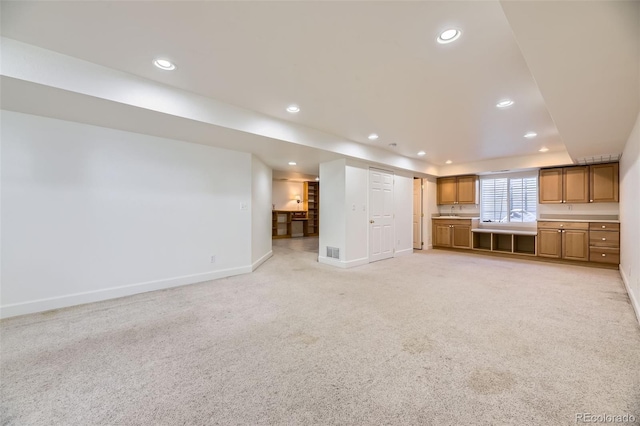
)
(604, 255)
(563, 225)
(604, 239)
(595, 226)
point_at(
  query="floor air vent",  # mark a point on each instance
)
(333, 252)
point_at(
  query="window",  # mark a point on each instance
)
(509, 198)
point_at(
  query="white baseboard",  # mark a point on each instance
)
(331, 261)
(357, 262)
(403, 252)
(634, 301)
(260, 261)
(65, 301)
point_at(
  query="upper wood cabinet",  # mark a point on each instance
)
(575, 183)
(579, 184)
(604, 183)
(458, 190)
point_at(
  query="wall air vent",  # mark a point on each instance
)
(333, 252)
(595, 159)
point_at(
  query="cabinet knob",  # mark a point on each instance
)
(603, 226)
(562, 225)
(591, 201)
(604, 255)
(372, 221)
(604, 239)
(559, 230)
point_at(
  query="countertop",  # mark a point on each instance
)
(454, 217)
(580, 220)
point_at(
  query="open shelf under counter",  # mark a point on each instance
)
(513, 241)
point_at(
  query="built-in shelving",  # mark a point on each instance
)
(505, 241)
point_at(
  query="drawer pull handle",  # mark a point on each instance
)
(604, 255)
(604, 239)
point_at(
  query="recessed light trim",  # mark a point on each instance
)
(448, 162)
(164, 64)
(530, 135)
(505, 103)
(373, 136)
(543, 149)
(448, 36)
(421, 153)
(292, 163)
(293, 108)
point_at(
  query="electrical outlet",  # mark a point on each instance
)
(213, 258)
(243, 206)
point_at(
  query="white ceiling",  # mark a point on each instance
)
(572, 68)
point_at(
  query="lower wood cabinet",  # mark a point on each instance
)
(604, 243)
(455, 233)
(564, 240)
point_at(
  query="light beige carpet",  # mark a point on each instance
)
(436, 338)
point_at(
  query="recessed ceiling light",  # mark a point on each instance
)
(543, 149)
(448, 162)
(293, 109)
(292, 163)
(421, 153)
(530, 135)
(447, 36)
(373, 137)
(164, 64)
(505, 103)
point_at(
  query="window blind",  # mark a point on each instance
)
(509, 199)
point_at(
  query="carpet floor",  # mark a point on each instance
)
(435, 338)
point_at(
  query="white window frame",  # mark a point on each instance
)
(518, 175)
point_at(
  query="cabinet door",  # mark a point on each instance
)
(441, 235)
(467, 190)
(550, 243)
(461, 236)
(550, 186)
(576, 184)
(447, 190)
(604, 183)
(575, 244)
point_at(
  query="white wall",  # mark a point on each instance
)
(90, 213)
(429, 208)
(630, 216)
(357, 214)
(260, 212)
(344, 212)
(332, 210)
(284, 193)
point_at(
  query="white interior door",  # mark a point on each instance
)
(417, 214)
(381, 231)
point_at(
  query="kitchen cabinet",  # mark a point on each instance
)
(597, 183)
(604, 242)
(564, 185)
(458, 190)
(604, 183)
(455, 233)
(564, 240)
